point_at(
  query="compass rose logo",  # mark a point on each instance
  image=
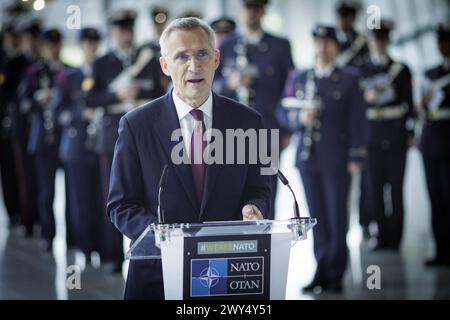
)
(209, 277)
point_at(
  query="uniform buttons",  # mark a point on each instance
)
(300, 94)
(336, 95)
(307, 141)
(317, 124)
(316, 136)
(73, 132)
(270, 71)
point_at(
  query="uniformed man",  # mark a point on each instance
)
(9, 79)
(30, 47)
(354, 48)
(388, 93)
(37, 95)
(325, 105)
(435, 147)
(160, 18)
(224, 27)
(254, 69)
(77, 148)
(121, 80)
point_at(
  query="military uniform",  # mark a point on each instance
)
(9, 79)
(109, 73)
(44, 135)
(77, 153)
(389, 133)
(326, 147)
(435, 148)
(21, 124)
(353, 45)
(268, 61)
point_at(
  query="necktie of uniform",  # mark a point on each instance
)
(198, 145)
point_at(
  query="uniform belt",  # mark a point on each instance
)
(440, 114)
(120, 108)
(386, 113)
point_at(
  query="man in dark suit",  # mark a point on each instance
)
(194, 192)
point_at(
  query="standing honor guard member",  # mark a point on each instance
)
(331, 147)
(121, 80)
(388, 92)
(43, 143)
(77, 148)
(354, 47)
(254, 69)
(435, 147)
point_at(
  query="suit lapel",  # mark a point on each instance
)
(220, 120)
(166, 124)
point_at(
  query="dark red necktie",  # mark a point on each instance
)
(198, 145)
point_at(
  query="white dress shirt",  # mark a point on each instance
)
(187, 122)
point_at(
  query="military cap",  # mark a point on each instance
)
(123, 18)
(324, 31)
(32, 27)
(255, 3)
(383, 31)
(223, 25)
(91, 34)
(347, 8)
(160, 15)
(52, 35)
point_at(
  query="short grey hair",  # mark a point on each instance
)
(186, 24)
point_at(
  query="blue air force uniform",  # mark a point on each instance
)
(353, 45)
(108, 74)
(269, 62)
(325, 149)
(435, 148)
(389, 131)
(44, 137)
(77, 153)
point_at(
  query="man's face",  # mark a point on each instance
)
(378, 46)
(51, 50)
(29, 43)
(346, 22)
(326, 50)
(123, 36)
(190, 61)
(90, 48)
(253, 16)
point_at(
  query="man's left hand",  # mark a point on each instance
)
(251, 212)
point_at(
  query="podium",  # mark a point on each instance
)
(223, 260)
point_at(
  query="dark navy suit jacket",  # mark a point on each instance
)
(142, 150)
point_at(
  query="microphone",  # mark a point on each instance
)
(162, 185)
(286, 183)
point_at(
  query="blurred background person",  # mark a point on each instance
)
(44, 135)
(388, 92)
(254, 68)
(331, 122)
(122, 79)
(77, 148)
(434, 104)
